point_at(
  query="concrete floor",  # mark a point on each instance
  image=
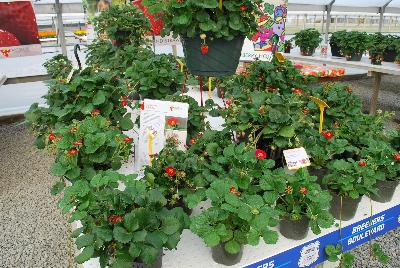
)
(33, 232)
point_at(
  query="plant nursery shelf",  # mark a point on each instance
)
(192, 252)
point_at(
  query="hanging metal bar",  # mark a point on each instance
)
(328, 9)
(61, 33)
(381, 12)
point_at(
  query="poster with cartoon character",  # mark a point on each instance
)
(18, 29)
(271, 26)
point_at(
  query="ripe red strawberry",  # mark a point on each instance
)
(170, 171)
(19, 19)
(95, 112)
(261, 154)
(243, 8)
(124, 103)
(192, 141)
(52, 136)
(298, 91)
(397, 156)
(327, 134)
(362, 163)
(204, 49)
(7, 39)
(228, 102)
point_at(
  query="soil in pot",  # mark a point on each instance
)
(348, 209)
(296, 230)
(221, 59)
(220, 256)
(307, 51)
(335, 51)
(385, 191)
(354, 57)
(389, 55)
(157, 264)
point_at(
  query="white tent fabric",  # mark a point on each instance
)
(370, 6)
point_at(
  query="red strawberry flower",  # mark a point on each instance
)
(95, 112)
(73, 152)
(52, 136)
(142, 106)
(298, 91)
(397, 156)
(261, 154)
(327, 134)
(77, 143)
(128, 139)
(204, 49)
(115, 219)
(303, 190)
(232, 190)
(172, 121)
(124, 103)
(192, 141)
(72, 130)
(243, 8)
(362, 163)
(170, 171)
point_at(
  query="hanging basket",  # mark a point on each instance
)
(156, 264)
(296, 230)
(385, 191)
(348, 209)
(222, 58)
(220, 255)
(389, 55)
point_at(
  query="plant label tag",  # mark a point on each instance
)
(296, 158)
(159, 121)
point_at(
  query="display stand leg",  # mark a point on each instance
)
(174, 51)
(375, 93)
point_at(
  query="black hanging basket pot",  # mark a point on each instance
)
(335, 50)
(156, 264)
(222, 58)
(296, 230)
(389, 55)
(220, 255)
(346, 210)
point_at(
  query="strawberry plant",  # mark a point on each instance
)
(88, 145)
(125, 24)
(58, 67)
(349, 178)
(308, 40)
(299, 196)
(191, 18)
(155, 76)
(118, 226)
(353, 43)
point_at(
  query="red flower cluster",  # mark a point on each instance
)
(52, 136)
(298, 91)
(170, 171)
(115, 219)
(261, 154)
(77, 143)
(303, 190)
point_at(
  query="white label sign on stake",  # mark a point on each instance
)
(296, 158)
(160, 120)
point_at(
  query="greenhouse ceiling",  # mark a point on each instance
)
(369, 6)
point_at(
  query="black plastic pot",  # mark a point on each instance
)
(335, 51)
(181, 204)
(354, 57)
(287, 49)
(220, 256)
(389, 55)
(319, 173)
(376, 61)
(307, 51)
(296, 230)
(222, 57)
(157, 264)
(385, 191)
(349, 207)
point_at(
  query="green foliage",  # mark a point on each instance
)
(58, 67)
(380, 254)
(336, 37)
(132, 224)
(307, 40)
(155, 76)
(300, 196)
(354, 43)
(123, 23)
(334, 254)
(191, 18)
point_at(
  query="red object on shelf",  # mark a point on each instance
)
(156, 21)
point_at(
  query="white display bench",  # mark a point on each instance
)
(192, 252)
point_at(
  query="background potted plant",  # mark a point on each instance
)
(58, 67)
(334, 42)
(301, 203)
(392, 47)
(308, 40)
(123, 24)
(212, 34)
(353, 45)
(348, 181)
(377, 45)
(287, 46)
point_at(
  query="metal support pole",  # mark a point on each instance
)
(375, 93)
(61, 33)
(328, 9)
(323, 22)
(381, 12)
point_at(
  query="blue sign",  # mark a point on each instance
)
(312, 253)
